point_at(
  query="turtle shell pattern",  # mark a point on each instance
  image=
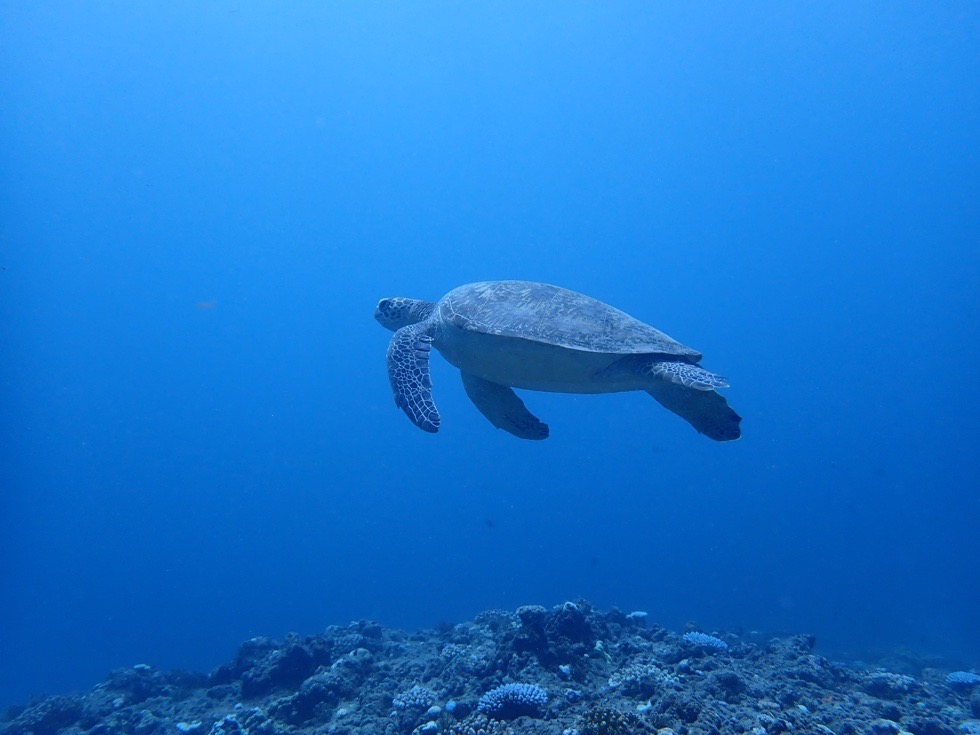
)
(554, 316)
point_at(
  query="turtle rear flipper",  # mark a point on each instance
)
(686, 374)
(705, 410)
(502, 407)
(408, 371)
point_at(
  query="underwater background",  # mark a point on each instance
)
(201, 204)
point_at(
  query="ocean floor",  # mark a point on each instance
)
(564, 671)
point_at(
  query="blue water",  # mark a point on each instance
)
(201, 203)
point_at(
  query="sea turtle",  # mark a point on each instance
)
(518, 334)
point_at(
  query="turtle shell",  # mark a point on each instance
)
(555, 316)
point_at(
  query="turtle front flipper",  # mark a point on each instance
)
(408, 371)
(702, 407)
(500, 404)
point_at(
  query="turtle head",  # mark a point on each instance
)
(398, 312)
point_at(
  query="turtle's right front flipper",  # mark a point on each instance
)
(408, 371)
(500, 404)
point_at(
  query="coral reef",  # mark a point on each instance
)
(641, 678)
(510, 701)
(705, 641)
(965, 679)
(607, 721)
(567, 670)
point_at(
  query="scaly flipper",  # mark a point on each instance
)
(705, 410)
(408, 371)
(683, 373)
(500, 404)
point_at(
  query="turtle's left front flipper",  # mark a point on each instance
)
(500, 404)
(408, 371)
(689, 391)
